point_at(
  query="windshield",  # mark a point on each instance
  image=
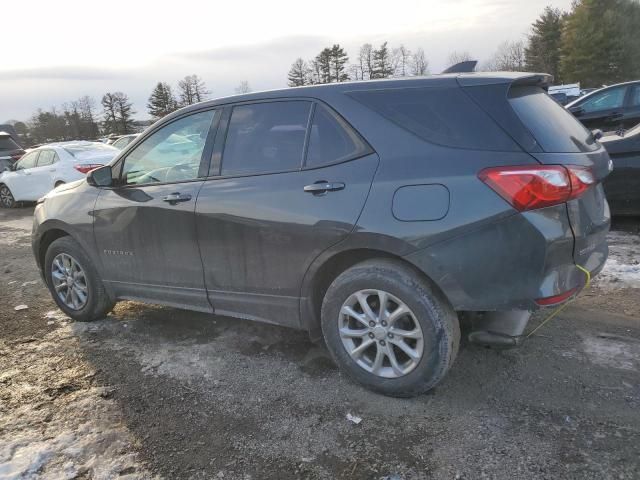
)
(554, 128)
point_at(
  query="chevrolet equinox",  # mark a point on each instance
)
(373, 214)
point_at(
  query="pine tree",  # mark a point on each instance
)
(110, 122)
(161, 102)
(382, 66)
(299, 74)
(600, 42)
(323, 63)
(118, 113)
(542, 53)
(338, 60)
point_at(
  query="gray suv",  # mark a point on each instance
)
(371, 214)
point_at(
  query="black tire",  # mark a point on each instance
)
(58, 184)
(437, 319)
(98, 303)
(6, 197)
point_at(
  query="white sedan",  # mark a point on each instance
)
(48, 166)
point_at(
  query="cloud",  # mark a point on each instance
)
(70, 72)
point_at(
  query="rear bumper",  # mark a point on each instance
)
(511, 263)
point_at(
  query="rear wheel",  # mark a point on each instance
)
(58, 184)
(74, 282)
(389, 329)
(6, 197)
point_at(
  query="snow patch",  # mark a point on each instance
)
(622, 269)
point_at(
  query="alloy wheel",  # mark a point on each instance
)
(69, 281)
(6, 197)
(380, 333)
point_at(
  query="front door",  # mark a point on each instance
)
(21, 181)
(267, 214)
(145, 226)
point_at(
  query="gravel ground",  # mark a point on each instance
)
(154, 392)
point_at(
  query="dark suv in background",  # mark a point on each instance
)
(371, 214)
(10, 151)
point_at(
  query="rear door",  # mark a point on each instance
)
(145, 226)
(288, 180)
(43, 174)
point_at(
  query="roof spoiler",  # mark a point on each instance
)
(542, 80)
(462, 67)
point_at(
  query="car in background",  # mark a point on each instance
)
(622, 186)
(49, 166)
(10, 151)
(612, 108)
(125, 140)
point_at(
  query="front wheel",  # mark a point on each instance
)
(389, 329)
(6, 197)
(74, 282)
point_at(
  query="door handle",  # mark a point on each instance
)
(174, 198)
(613, 117)
(323, 187)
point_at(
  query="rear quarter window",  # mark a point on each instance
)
(554, 128)
(445, 116)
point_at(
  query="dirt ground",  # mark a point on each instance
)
(154, 392)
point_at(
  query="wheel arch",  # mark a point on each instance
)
(324, 271)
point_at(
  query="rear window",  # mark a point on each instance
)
(80, 148)
(446, 116)
(554, 128)
(7, 143)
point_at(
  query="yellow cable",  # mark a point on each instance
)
(561, 307)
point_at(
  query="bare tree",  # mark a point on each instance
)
(365, 61)
(299, 74)
(419, 63)
(243, 87)
(509, 57)
(457, 57)
(401, 61)
(192, 89)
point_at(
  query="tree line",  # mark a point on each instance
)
(82, 119)
(597, 42)
(332, 65)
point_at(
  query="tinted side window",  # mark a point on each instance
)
(332, 140)
(171, 154)
(265, 137)
(47, 157)
(611, 98)
(28, 161)
(446, 116)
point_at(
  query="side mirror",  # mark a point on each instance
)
(597, 134)
(100, 177)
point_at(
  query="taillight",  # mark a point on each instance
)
(531, 187)
(87, 167)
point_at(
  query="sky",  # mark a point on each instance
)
(57, 51)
